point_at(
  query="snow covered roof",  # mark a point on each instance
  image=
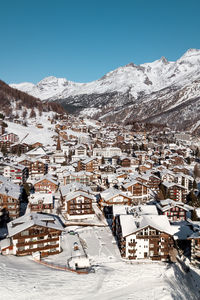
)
(76, 194)
(112, 192)
(167, 204)
(135, 210)
(10, 189)
(131, 224)
(36, 152)
(75, 186)
(32, 219)
(47, 177)
(5, 243)
(171, 184)
(45, 198)
(133, 182)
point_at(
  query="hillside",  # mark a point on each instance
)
(11, 98)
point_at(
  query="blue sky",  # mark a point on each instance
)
(82, 40)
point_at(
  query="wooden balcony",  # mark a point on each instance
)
(33, 235)
(132, 244)
(30, 251)
(157, 237)
(131, 251)
(37, 242)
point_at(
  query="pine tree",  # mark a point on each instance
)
(32, 114)
(194, 185)
(58, 147)
(194, 216)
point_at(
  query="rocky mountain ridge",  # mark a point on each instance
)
(161, 91)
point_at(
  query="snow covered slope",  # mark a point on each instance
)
(126, 92)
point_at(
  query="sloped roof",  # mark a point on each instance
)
(131, 224)
(32, 219)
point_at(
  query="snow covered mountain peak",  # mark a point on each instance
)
(163, 60)
(191, 55)
(136, 80)
(53, 80)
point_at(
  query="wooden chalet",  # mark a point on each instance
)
(10, 196)
(138, 190)
(144, 237)
(36, 167)
(114, 196)
(40, 202)
(76, 200)
(46, 184)
(175, 191)
(34, 233)
(175, 211)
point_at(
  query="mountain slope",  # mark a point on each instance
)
(151, 91)
(11, 98)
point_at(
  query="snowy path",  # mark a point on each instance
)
(23, 279)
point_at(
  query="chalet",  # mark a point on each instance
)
(58, 158)
(167, 175)
(34, 232)
(125, 162)
(19, 148)
(144, 237)
(174, 210)
(10, 196)
(136, 210)
(181, 169)
(36, 167)
(175, 191)
(142, 156)
(81, 177)
(138, 190)
(88, 165)
(150, 180)
(80, 151)
(185, 180)
(145, 167)
(5, 146)
(41, 202)
(76, 204)
(194, 238)
(15, 172)
(107, 168)
(36, 152)
(46, 184)
(10, 137)
(114, 196)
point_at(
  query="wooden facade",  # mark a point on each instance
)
(11, 204)
(146, 243)
(37, 238)
(79, 206)
(36, 168)
(45, 186)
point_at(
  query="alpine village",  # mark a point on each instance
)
(137, 183)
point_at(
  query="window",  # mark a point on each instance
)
(25, 232)
(21, 248)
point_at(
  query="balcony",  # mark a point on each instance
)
(30, 251)
(37, 242)
(148, 237)
(132, 244)
(132, 251)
